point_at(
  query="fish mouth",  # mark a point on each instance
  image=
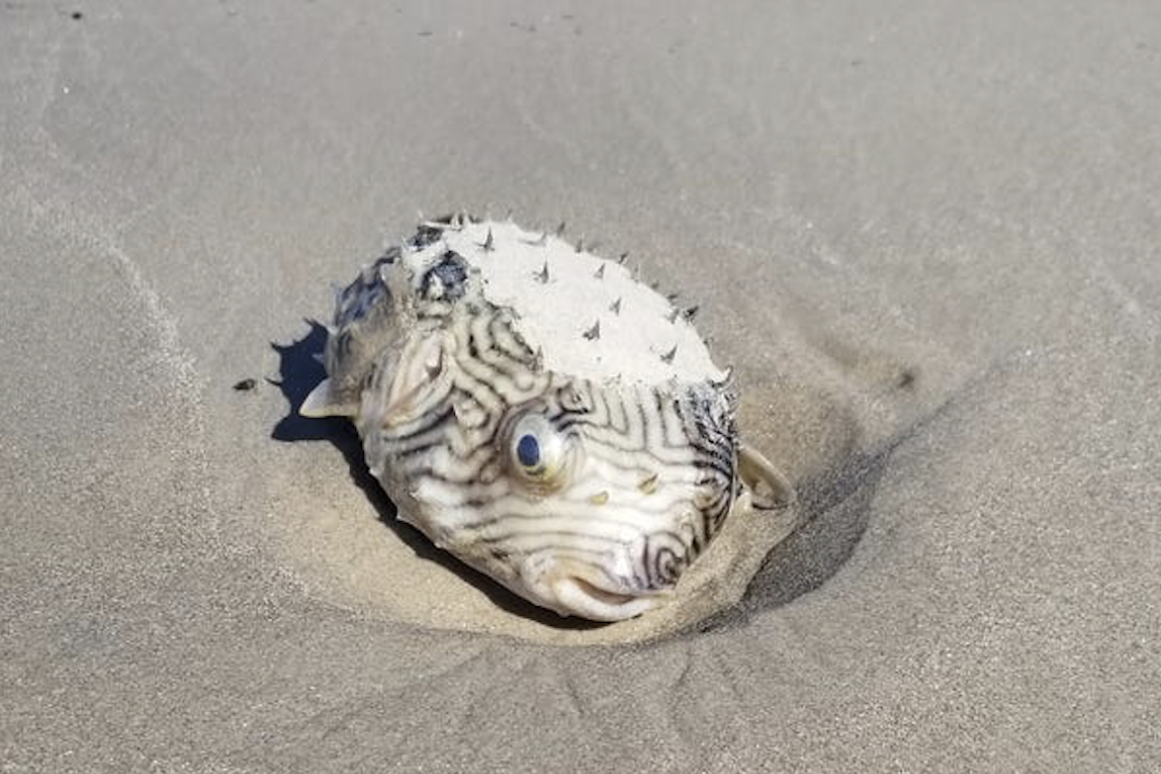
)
(578, 596)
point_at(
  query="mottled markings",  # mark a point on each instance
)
(446, 278)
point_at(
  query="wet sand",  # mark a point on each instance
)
(926, 237)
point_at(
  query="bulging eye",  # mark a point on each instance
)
(538, 452)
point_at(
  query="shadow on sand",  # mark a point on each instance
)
(834, 512)
(300, 372)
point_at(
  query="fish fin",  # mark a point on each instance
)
(422, 372)
(769, 486)
(323, 403)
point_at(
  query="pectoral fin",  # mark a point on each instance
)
(769, 486)
(421, 380)
(322, 402)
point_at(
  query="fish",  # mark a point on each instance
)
(541, 414)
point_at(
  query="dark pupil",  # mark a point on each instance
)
(528, 451)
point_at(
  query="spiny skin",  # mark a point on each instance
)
(582, 466)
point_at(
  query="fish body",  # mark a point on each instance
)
(537, 412)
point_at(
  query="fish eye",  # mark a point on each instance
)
(528, 451)
(537, 449)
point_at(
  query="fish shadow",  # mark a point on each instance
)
(300, 372)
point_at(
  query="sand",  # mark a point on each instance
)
(925, 234)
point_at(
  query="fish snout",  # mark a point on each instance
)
(575, 588)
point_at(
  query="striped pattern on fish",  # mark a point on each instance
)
(585, 481)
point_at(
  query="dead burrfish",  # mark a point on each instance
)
(540, 414)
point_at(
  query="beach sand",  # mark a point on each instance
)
(926, 236)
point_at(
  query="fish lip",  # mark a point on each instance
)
(578, 596)
(603, 595)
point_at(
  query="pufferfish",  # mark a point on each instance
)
(540, 414)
